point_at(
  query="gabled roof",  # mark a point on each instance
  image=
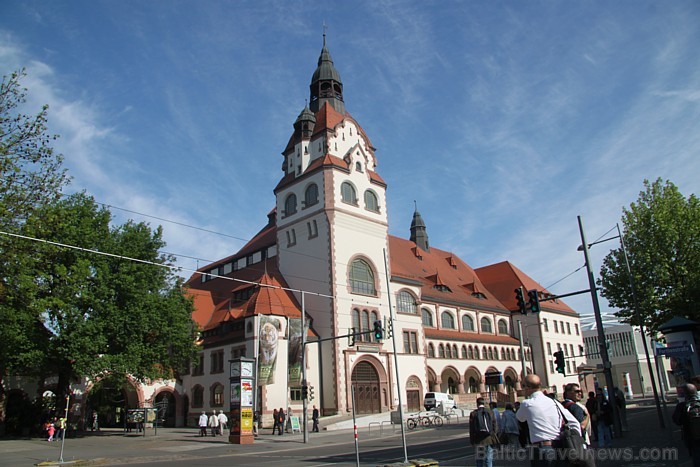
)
(444, 270)
(503, 278)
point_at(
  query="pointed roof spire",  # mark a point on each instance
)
(419, 233)
(326, 85)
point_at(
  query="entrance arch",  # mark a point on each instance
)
(166, 403)
(414, 391)
(371, 386)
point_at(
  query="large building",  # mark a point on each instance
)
(326, 249)
(325, 253)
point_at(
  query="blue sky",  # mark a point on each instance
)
(503, 120)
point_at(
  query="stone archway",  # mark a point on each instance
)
(473, 381)
(433, 381)
(414, 394)
(511, 381)
(450, 380)
(166, 401)
(371, 386)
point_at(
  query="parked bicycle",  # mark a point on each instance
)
(425, 420)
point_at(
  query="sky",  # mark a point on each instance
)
(503, 120)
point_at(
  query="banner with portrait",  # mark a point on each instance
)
(268, 342)
(295, 350)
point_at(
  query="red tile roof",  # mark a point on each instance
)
(441, 268)
(453, 335)
(503, 278)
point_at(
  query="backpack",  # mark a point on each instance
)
(483, 421)
(692, 419)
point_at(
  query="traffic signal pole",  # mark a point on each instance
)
(607, 367)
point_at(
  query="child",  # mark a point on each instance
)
(50, 430)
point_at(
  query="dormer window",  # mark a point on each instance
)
(358, 166)
(442, 288)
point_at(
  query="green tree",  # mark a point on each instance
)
(662, 236)
(31, 175)
(107, 314)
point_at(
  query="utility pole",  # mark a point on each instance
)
(522, 348)
(607, 367)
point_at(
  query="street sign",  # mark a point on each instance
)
(675, 351)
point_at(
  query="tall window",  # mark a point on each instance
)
(362, 278)
(197, 396)
(410, 342)
(464, 352)
(311, 195)
(406, 303)
(568, 327)
(447, 320)
(549, 348)
(360, 321)
(441, 351)
(431, 351)
(546, 326)
(198, 369)
(217, 395)
(467, 323)
(290, 205)
(502, 326)
(427, 316)
(486, 325)
(347, 193)
(371, 203)
(217, 361)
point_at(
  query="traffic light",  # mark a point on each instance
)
(351, 337)
(389, 328)
(378, 332)
(559, 362)
(520, 299)
(533, 301)
(311, 393)
(304, 392)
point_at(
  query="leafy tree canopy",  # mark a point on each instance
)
(662, 235)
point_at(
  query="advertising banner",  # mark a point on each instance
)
(267, 350)
(295, 349)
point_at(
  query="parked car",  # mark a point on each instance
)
(435, 399)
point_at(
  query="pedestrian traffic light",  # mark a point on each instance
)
(559, 362)
(378, 332)
(390, 328)
(533, 301)
(520, 299)
(311, 393)
(304, 392)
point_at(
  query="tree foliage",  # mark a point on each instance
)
(662, 235)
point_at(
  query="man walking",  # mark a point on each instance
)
(545, 418)
(203, 419)
(572, 401)
(603, 412)
(483, 430)
(214, 423)
(314, 417)
(280, 420)
(223, 422)
(687, 415)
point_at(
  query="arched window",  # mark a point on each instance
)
(427, 317)
(217, 395)
(311, 195)
(473, 385)
(431, 351)
(362, 278)
(365, 325)
(490, 353)
(448, 351)
(484, 353)
(371, 202)
(356, 323)
(374, 317)
(486, 325)
(467, 323)
(454, 351)
(464, 352)
(347, 193)
(290, 205)
(476, 353)
(502, 326)
(470, 353)
(447, 320)
(406, 303)
(503, 354)
(451, 385)
(197, 396)
(441, 351)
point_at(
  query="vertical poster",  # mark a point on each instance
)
(267, 349)
(295, 349)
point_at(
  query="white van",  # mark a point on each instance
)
(434, 399)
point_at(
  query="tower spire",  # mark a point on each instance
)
(419, 233)
(326, 85)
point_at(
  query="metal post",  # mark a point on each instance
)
(659, 413)
(304, 403)
(522, 348)
(354, 427)
(65, 426)
(396, 361)
(607, 367)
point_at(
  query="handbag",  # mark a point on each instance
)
(573, 445)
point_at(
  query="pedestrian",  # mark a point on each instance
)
(545, 418)
(95, 421)
(687, 416)
(483, 433)
(214, 423)
(256, 422)
(591, 409)
(510, 431)
(288, 423)
(275, 420)
(314, 418)
(223, 422)
(50, 430)
(203, 419)
(280, 420)
(60, 427)
(496, 413)
(604, 420)
(621, 404)
(572, 401)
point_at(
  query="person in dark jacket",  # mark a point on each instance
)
(280, 420)
(604, 419)
(483, 433)
(275, 422)
(314, 417)
(691, 434)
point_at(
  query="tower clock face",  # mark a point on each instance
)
(246, 369)
(235, 369)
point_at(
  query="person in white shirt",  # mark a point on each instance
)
(203, 424)
(214, 424)
(544, 417)
(223, 422)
